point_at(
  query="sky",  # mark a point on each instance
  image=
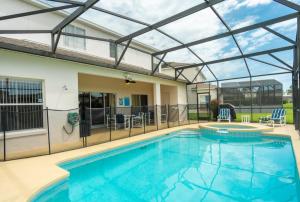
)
(236, 13)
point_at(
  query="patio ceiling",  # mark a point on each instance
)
(183, 33)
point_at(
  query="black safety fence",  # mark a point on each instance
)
(33, 131)
(297, 119)
(30, 131)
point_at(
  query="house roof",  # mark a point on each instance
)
(181, 64)
(44, 50)
(245, 84)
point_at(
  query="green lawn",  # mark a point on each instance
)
(255, 116)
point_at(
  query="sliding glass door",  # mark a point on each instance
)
(94, 106)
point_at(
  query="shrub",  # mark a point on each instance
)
(214, 108)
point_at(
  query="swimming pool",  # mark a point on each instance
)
(184, 166)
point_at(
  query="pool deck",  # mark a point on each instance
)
(21, 179)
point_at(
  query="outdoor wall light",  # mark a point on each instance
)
(65, 88)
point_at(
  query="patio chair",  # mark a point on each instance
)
(278, 116)
(149, 117)
(224, 115)
(138, 120)
(117, 121)
(163, 118)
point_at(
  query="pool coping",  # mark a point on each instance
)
(257, 127)
(23, 179)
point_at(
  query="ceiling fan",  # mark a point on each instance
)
(128, 79)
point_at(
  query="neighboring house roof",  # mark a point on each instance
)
(245, 84)
(44, 50)
(206, 86)
(98, 27)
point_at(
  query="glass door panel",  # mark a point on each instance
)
(97, 107)
(203, 106)
(94, 106)
(144, 100)
(110, 99)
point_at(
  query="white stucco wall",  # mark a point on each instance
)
(56, 74)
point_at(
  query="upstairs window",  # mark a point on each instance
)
(21, 104)
(74, 42)
(112, 50)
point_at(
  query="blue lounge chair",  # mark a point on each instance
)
(278, 117)
(224, 114)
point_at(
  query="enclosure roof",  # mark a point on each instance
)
(220, 39)
(246, 84)
(47, 4)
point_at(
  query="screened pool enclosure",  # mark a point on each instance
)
(264, 93)
(238, 41)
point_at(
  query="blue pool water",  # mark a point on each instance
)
(185, 166)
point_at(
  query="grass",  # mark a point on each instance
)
(255, 116)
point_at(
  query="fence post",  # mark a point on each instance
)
(251, 112)
(110, 117)
(188, 114)
(48, 129)
(130, 121)
(4, 118)
(209, 102)
(156, 108)
(167, 109)
(144, 121)
(178, 115)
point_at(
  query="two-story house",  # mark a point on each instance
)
(80, 75)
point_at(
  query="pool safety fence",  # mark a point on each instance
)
(29, 131)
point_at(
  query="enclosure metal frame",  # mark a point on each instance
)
(82, 7)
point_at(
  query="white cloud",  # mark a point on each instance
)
(145, 10)
(196, 26)
(249, 20)
(252, 3)
(234, 5)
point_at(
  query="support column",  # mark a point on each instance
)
(295, 78)
(251, 102)
(218, 95)
(157, 102)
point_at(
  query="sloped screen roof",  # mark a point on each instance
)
(223, 39)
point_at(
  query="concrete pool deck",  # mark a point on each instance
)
(22, 179)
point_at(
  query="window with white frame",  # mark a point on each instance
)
(74, 42)
(112, 50)
(21, 104)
